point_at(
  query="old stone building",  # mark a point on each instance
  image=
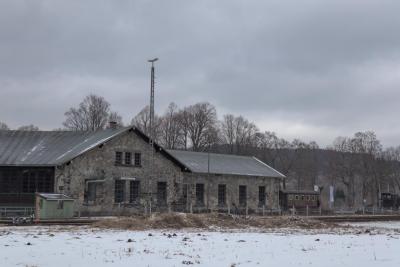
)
(111, 172)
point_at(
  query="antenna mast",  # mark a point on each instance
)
(151, 135)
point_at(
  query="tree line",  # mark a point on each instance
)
(358, 166)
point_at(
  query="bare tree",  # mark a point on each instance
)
(238, 132)
(115, 117)
(202, 120)
(368, 144)
(171, 136)
(228, 131)
(92, 114)
(344, 166)
(183, 118)
(142, 121)
(29, 127)
(3, 126)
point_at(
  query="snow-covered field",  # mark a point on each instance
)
(81, 246)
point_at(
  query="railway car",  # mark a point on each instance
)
(299, 199)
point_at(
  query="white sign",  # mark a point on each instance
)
(331, 195)
(128, 178)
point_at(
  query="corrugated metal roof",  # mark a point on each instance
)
(224, 164)
(49, 148)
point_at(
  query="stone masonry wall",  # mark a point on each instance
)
(232, 182)
(99, 164)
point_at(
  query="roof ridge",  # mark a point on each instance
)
(211, 153)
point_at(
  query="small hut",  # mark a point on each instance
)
(53, 206)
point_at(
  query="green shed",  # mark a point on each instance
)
(53, 206)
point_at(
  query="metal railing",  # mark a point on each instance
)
(8, 212)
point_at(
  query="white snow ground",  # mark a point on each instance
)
(79, 246)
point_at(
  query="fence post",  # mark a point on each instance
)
(263, 210)
(293, 210)
(247, 210)
(229, 209)
(191, 207)
(150, 207)
(320, 210)
(307, 211)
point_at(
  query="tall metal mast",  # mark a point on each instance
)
(151, 135)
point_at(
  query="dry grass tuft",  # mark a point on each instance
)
(207, 221)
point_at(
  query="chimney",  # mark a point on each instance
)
(112, 125)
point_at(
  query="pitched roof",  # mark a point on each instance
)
(54, 148)
(197, 162)
(49, 148)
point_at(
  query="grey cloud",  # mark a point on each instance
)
(329, 66)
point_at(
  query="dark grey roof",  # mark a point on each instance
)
(49, 148)
(197, 162)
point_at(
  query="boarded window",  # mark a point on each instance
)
(162, 193)
(242, 195)
(134, 191)
(221, 194)
(261, 196)
(138, 159)
(200, 194)
(119, 191)
(128, 158)
(118, 157)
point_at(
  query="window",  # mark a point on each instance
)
(138, 159)
(162, 193)
(37, 181)
(296, 197)
(118, 157)
(242, 195)
(221, 195)
(185, 193)
(134, 191)
(261, 196)
(290, 197)
(200, 194)
(119, 191)
(91, 192)
(128, 158)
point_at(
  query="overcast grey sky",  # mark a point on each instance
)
(307, 69)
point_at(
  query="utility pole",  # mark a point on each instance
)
(151, 138)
